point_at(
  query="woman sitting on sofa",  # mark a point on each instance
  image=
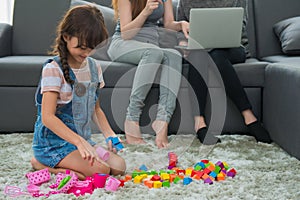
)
(224, 59)
(136, 41)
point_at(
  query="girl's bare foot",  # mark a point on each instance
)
(38, 166)
(133, 133)
(161, 129)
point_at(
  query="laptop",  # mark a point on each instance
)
(215, 28)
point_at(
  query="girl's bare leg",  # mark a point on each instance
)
(74, 161)
(38, 166)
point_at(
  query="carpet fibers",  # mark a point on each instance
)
(264, 171)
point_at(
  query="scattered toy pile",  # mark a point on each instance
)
(203, 170)
(68, 182)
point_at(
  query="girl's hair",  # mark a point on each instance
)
(136, 7)
(84, 22)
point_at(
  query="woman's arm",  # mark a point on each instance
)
(170, 23)
(129, 27)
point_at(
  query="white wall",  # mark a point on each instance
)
(6, 10)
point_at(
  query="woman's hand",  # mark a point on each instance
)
(185, 27)
(151, 5)
(184, 52)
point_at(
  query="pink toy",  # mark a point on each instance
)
(65, 182)
(102, 153)
(82, 187)
(112, 184)
(38, 177)
(99, 180)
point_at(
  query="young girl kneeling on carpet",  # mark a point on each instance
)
(67, 101)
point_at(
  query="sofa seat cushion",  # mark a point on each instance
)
(121, 75)
(251, 73)
(282, 58)
(21, 70)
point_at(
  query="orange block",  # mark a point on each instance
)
(205, 176)
(128, 177)
(172, 177)
(148, 183)
(220, 177)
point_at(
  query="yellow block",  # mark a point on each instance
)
(157, 184)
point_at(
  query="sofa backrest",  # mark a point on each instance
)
(34, 25)
(266, 14)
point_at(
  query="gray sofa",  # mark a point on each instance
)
(270, 77)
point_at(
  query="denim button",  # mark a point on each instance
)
(80, 89)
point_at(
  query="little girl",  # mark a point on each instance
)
(67, 100)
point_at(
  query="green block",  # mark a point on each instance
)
(166, 184)
(198, 168)
(162, 172)
(176, 179)
(217, 169)
(153, 172)
(170, 171)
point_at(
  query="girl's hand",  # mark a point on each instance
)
(109, 144)
(88, 152)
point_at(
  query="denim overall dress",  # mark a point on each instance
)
(49, 148)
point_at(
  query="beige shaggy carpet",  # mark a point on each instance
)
(264, 171)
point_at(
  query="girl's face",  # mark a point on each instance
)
(77, 54)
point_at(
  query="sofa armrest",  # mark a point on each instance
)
(5, 39)
(281, 105)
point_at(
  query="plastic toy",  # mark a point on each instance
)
(172, 160)
(64, 182)
(99, 180)
(81, 188)
(38, 177)
(112, 184)
(115, 143)
(102, 153)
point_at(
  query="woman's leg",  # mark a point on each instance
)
(199, 89)
(224, 59)
(169, 86)
(148, 57)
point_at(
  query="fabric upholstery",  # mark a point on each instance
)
(288, 32)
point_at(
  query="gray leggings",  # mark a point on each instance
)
(149, 59)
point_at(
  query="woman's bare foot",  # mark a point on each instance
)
(38, 166)
(249, 117)
(133, 132)
(161, 130)
(199, 123)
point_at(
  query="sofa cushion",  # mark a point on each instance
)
(34, 25)
(108, 14)
(266, 14)
(251, 73)
(121, 75)
(288, 32)
(21, 71)
(282, 59)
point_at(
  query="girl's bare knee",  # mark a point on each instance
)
(119, 167)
